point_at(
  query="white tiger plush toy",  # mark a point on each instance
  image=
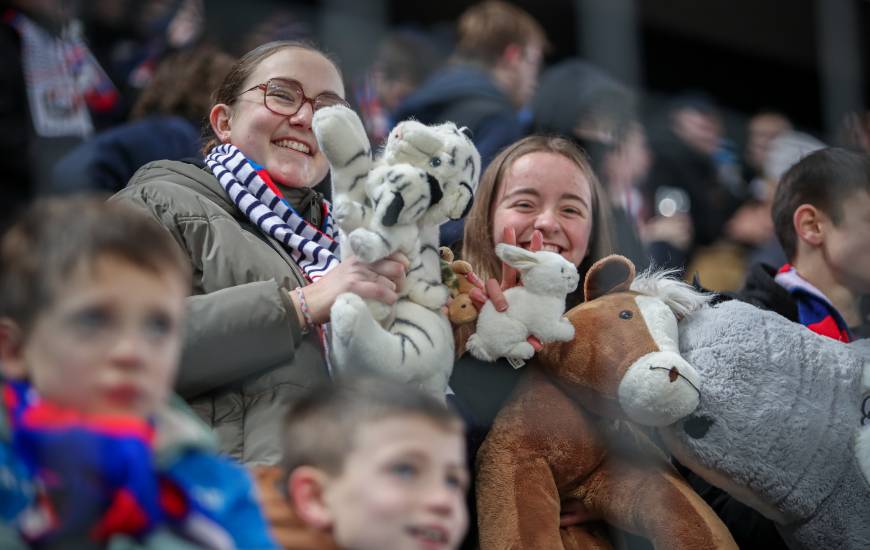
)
(425, 176)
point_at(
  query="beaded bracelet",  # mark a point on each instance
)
(306, 313)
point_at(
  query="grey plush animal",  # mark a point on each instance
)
(779, 423)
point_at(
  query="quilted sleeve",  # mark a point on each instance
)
(234, 329)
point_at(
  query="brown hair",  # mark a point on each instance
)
(183, 84)
(231, 87)
(478, 247)
(320, 427)
(824, 179)
(487, 28)
(55, 236)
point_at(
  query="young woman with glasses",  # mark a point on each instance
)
(262, 245)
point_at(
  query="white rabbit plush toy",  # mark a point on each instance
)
(534, 309)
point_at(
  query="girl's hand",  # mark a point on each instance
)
(493, 291)
(375, 281)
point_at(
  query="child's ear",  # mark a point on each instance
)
(11, 350)
(306, 487)
(808, 224)
(219, 117)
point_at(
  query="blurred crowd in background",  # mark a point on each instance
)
(92, 90)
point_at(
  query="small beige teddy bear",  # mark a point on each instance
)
(454, 273)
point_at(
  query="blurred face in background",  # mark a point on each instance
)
(530, 68)
(392, 90)
(763, 129)
(521, 78)
(629, 162)
(700, 130)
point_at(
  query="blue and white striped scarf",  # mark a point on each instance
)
(314, 249)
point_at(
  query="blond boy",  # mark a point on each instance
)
(377, 465)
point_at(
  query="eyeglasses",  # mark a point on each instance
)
(285, 97)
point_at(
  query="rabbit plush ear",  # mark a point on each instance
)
(515, 256)
(612, 273)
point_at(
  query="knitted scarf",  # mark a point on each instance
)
(315, 250)
(95, 473)
(63, 78)
(815, 311)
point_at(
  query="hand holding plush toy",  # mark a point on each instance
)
(534, 309)
(561, 437)
(424, 176)
(493, 291)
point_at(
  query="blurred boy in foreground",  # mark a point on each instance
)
(92, 453)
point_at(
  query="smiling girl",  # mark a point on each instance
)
(539, 193)
(539, 189)
(262, 245)
(541, 183)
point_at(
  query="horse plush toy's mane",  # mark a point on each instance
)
(681, 297)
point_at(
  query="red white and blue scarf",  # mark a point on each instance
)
(815, 311)
(94, 473)
(315, 250)
(63, 78)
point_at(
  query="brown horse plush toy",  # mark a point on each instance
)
(562, 435)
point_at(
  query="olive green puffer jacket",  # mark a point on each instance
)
(244, 353)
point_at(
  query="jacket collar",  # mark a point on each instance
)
(197, 177)
(200, 178)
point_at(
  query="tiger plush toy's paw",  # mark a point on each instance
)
(343, 140)
(379, 310)
(344, 316)
(432, 296)
(368, 246)
(348, 214)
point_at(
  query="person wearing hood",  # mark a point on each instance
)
(581, 102)
(492, 75)
(578, 100)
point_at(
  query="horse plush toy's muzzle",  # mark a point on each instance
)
(659, 389)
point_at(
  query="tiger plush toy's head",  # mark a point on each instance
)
(449, 158)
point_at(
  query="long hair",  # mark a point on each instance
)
(478, 247)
